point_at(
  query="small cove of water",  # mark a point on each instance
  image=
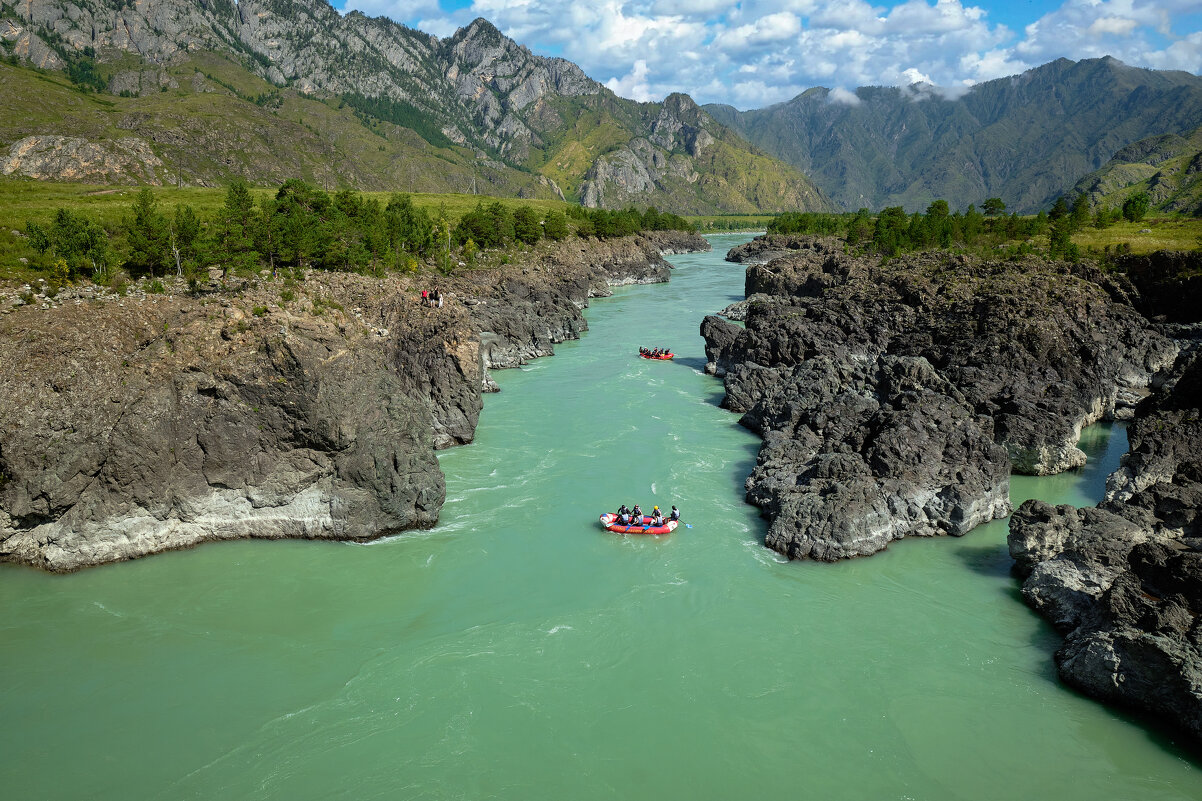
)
(517, 651)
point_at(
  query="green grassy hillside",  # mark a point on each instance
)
(222, 122)
(169, 91)
(1166, 168)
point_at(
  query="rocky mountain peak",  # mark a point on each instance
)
(478, 89)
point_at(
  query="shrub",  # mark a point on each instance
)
(1136, 207)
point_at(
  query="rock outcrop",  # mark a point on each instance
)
(129, 160)
(894, 399)
(1123, 582)
(764, 249)
(139, 424)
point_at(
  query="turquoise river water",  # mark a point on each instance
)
(517, 651)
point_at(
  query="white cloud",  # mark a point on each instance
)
(1119, 26)
(757, 52)
(977, 67)
(770, 30)
(399, 10)
(439, 26)
(843, 97)
(634, 85)
(1184, 54)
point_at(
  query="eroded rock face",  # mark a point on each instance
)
(1123, 582)
(894, 399)
(764, 249)
(141, 82)
(151, 426)
(137, 425)
(129, 160)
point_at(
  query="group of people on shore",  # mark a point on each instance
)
(432, 297)
(654, 353)
(634, 517)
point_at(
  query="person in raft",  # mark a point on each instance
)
(636, 515)
(657, 517)
(674, 514)
(623, 515)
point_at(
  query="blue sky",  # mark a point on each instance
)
(757, 52)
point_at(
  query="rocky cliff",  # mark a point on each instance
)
(1123, 581)
(141, 423)
(894, 399)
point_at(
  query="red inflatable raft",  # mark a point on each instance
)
(661, 357)
(609, 520)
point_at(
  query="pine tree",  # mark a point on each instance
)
(527, 227)
(147, 235)
(234, 236)
(555, 225)
(993, 207)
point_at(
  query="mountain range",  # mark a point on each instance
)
(199, 91)
(1026, 139)
(271, 88)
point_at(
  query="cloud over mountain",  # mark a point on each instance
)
(757, 52)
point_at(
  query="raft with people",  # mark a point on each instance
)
(633, 521)
(609, 521)
(656, 353)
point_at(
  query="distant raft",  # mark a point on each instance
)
(660, 357)
(610, 521)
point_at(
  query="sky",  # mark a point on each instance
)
(754, 53)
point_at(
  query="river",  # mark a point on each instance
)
(517, 651)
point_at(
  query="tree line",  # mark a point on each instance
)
(304, 227)
(892, 231)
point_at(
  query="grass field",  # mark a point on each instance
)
(23, 200)
(1146, 236)
(731, 222)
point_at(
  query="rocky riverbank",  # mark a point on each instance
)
(144, 422)
(895, 398)
(1123, 581)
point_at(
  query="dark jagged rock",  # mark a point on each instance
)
(765, 248)
(1123, 582)
(141, 424)
(523, 315)
(895, 398)
(1169, 284)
